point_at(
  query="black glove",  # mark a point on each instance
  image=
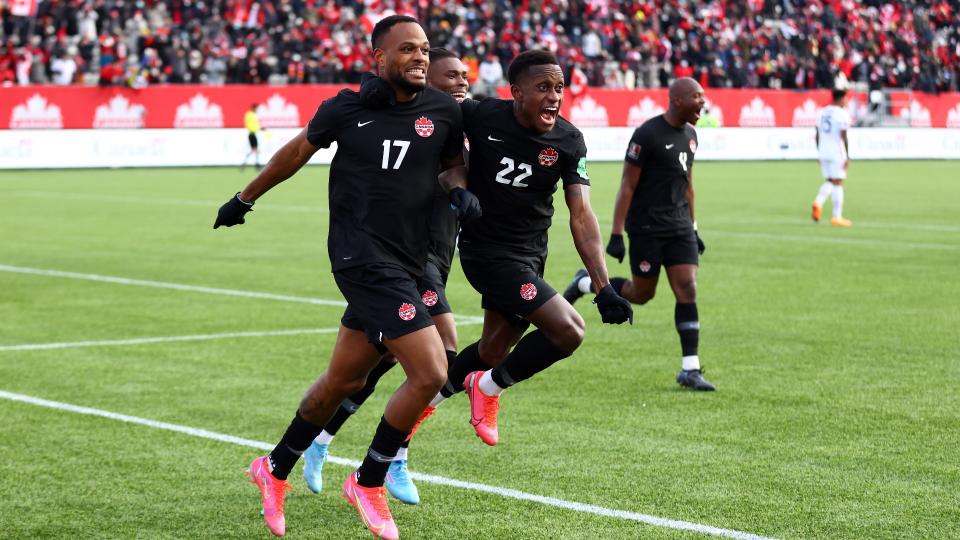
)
(615, 247)
(613, 308)
(232, 212)
(701, 247)
(375, 93)
(466, 204)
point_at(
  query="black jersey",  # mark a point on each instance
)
(444, 227)
(384, 175)
(665, 155)
(514, 173)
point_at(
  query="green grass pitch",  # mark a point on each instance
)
(835, 352)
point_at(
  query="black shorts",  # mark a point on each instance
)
(510, 287)
(433, 288)
(252, 137)
(649, 252)
(383, 301)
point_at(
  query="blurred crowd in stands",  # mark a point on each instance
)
(610, 43)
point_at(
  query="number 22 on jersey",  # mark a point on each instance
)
(524, 169)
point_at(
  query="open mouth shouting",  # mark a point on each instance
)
(548, 115)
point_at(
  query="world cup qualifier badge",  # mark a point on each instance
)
(548, 156)
(693, 146)
(430, 298)
(423, 126)
(528, 291)
(407, 311)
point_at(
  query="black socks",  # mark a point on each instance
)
(294, 443)
(462, 365)
(533, 354)
(688, 326)
(352, 403)
(386, 442)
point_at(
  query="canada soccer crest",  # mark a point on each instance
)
(548, 156)
(644, 266)
(407, 311)
(423, 126)
(693, 146)
(528, 291)
(430, 298)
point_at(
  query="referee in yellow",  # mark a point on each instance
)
(252, 123)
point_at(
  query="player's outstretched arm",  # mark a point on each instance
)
(586, 237)
(628, 184)
(287, 161)
(586, 233)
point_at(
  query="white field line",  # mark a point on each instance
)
(213, 205)
(175, 286)
(484, 488)
(461, 319)
(166, 339)
(889, 244)
(321, 209)
(880, 225)
(198, 337)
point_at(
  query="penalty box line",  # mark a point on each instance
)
(432, 479)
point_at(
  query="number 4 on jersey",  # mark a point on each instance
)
(683, 160)
(403, 145)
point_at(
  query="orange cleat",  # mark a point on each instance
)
(427, 413)
(483, 409)
(841, 222)
(816, 212)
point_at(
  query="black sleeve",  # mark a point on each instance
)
(453, 146)
(321, 129)
(575, 163)
(469, 107)
(638, 148)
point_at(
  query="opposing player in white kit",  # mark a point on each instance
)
(832, 124)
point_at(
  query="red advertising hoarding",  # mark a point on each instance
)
(197, 106)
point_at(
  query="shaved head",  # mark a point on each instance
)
(686, 102)
(683, 86)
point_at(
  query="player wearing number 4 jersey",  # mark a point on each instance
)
(655, 207)
(381, 192)
(519, 150)
(832, 123)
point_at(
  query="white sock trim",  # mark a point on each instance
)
(585, 284)
(838, 201)
(324, 438)
(825, 190)
(401, 454)
(691, 362)
(487, 386)
(440, 398)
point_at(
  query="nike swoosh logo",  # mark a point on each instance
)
(361, 124)
(491, 138)
(669, 146)
(377, 529)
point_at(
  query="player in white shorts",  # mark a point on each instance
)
(832, 124)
